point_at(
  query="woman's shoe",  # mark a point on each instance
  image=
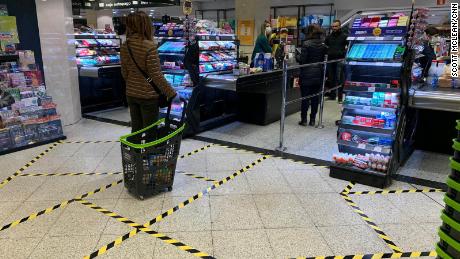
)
(312, 123)
(303, 123)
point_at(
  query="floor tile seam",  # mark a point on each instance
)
(210, 220)
(323, 237)
(404, 212)
(265, 232)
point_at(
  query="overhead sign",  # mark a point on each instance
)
(245, 32)
(187, 8)
(121, 4)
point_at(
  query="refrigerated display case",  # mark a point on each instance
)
(100, 80)
(372, 135)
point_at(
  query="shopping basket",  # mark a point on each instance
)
(149, 156)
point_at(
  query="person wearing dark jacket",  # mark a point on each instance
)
(311, 77)
(337, 44)
(428, 51)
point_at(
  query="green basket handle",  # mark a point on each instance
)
(454, 164)
(124, 138)
(456, 145)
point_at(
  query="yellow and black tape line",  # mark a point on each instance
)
(386, 192)
(376, 256)
(348, 188)
(57, 206)
(88, 141)
(29, 164)
(181, 205)
(139, 227)
(199, 177)
(372, 224)
(68, 174)
(196, 151)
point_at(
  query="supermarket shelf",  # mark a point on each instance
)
(369, 108)
(174, 71)
(216, 37)
(386, 61)
(217, 72)
(8, 58)
(98, 47)
(366, 177)
(386, 38)
(367, 147)
(170, 38)
(217, 61)
(171, 54)
(367, 129)
(32, 145)
(91, 36)
(215, 50)
(371, 89)
(375, 64)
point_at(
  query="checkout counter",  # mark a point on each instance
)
(436, 110)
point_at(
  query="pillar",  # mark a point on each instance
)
(258, 10)
(55, 24)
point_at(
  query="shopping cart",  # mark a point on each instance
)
(149, 156)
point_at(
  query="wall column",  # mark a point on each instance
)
(55, 24)
(258, 10)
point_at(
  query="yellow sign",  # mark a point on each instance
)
(377, 32)
(8, 29)
(187, 7)
(246, 32)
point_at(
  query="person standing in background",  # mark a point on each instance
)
(262, 44)
(337, 44)
(311, 77)
(142, 97)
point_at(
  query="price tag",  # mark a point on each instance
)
(371, 89)
(362, 146)
(378, 149)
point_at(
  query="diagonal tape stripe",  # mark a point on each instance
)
(147, 230)
(68, 174)
(88, 141)
(376, 256)
(55, 207)
(348, 188)
(387, 192)
(176, 208)
(199, 177)
(196, 151)
(372, 224)
(29, 164)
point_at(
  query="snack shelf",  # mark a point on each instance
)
(171, 54)
(369, 108)
(214, 50)
(98, 36)
(370, 38)
(366, 147)
(385, 131)
(375, 64)
(217, 61)
(174, 71)
(371, 89)
(97, 47)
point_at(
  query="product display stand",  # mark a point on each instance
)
(372, 129)
(449, 233)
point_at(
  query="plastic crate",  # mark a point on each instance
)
(149, 157)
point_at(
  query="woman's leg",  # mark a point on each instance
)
(150, 112)
(135, 112)
(305, 104)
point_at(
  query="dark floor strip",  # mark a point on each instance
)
(420, 181)
(285, 155)
(106, 120)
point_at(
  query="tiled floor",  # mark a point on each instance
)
(277, 209)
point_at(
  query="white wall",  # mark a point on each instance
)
(104, 17)
(55, 24)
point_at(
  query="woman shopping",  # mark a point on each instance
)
(140, 63)
(262, 44)
(311, 77)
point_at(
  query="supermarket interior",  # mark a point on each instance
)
(300, 129)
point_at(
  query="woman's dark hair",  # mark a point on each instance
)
(314, 31)
(139, 23)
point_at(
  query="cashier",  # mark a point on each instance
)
(262, 44)
(428, 51)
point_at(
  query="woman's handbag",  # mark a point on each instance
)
(162, 99)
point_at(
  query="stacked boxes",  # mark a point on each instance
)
(449, 233)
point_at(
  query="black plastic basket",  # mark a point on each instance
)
(149, 156)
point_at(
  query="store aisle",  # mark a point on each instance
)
(262, 206)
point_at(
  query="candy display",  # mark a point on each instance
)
(379, 99)
(385, 120)
(380, 22)
(219, 55)
(170, 30)
(31, 117)
(376, 51)
(356, 138)
(97, 50)
(374, 162)
(217, 45)
(172, 47)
